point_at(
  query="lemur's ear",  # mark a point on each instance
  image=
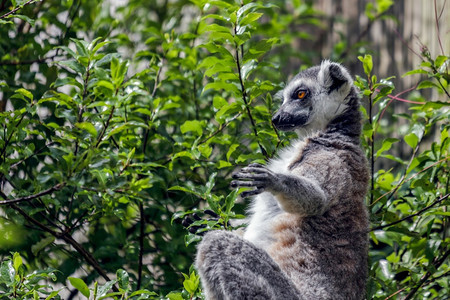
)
(334, 77)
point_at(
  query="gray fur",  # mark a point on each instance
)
(307, 233)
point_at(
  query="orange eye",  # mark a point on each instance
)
(301, 94)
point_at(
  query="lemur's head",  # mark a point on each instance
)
(314, 97)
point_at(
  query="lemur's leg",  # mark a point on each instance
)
(295, 194)
(232, 268)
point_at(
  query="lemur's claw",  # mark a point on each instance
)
(252, 192)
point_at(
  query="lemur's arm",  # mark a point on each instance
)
(296, 194)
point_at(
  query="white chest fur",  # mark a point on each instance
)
(265, 207)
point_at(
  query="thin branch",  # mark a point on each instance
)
(17, 8)
(413, 215)
(141, 243)
(221, 127)
(155, 88)
(244, 96)
(31, 197)
(397, 292)
(3, 153)
(27, 62)
(436, 18)
(30, 156)
(105, 127)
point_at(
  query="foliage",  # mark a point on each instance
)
(120, 124)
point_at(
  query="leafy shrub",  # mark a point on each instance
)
(102, 154)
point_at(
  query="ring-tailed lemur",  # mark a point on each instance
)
(307, 234)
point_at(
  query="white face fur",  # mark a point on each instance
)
(326, 87)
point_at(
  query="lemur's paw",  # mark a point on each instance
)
(254, 175)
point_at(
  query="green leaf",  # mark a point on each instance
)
(74, 65)
(17, 261)
(192, 126)
(123, 279)
(387, 144)
(250, 18)
(367, 63)
(411, 139)
(80, 285)
(7, 272)
(211, 182)
(41, 244)
(88, 127)
(418, 71)
(52, 295)
(25, 18)
(231, 150)
(25, 93)
(230, 200)
(174, 296)
(220, 85)
(241, 12)
(426, 84)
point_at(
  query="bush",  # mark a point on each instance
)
(103, 152)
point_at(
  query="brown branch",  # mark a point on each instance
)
(244, 96)
(105, 127)
(413, 215)
(3, 153)
(221, 127)
(17, 8)
(155, 88)
(31, 197)
(141, 244)
(27, 62)
(30, 156)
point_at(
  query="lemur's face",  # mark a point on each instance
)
(313, 98)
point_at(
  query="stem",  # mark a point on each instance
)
(147, 131)
(17, 8)
(3, 154)
(31, 197)
(244, 96)
(105, 127)
(141, 244)
(221, 127)
(413, 215)
(371, 143)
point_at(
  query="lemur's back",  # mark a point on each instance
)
(307, 237)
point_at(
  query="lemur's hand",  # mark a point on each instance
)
(254, 175)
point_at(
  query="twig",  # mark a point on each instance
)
(413, 215)
(30, 156)
(436, 18)
(221, 127)
(392, 295)
(244, 96)
(141, 244)
(3, 153)
(31, 197)
(17, 8)
(147, 131)
(105, 127)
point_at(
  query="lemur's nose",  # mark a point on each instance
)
(276, 118)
